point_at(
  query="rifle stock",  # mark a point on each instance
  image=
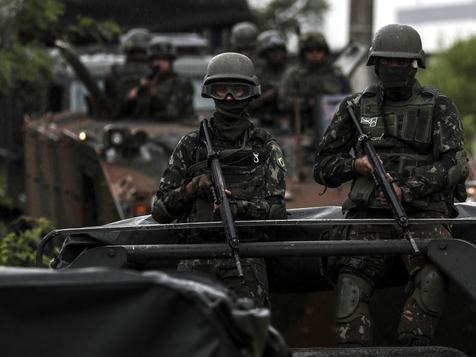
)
(221, 199)
(381, 179)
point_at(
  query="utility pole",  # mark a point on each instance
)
(361, 30)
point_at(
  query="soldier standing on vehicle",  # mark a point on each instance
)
(272, 49)
(252, 165)
(122, 78)
(162, 94)
(418, 136)
(314, 75)
(243, 39)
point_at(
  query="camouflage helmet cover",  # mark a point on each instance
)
(231, 67)
(397, 41)
(312, 40)
(135, 40)
(243, 35)
(270, 39)
(161, 48)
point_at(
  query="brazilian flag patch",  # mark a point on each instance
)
(280, 162)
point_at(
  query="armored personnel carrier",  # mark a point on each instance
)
(85, 167)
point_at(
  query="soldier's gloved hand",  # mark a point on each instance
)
(363, 166)
(200, 186)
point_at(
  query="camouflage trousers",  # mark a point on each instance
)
(416, 326)
(253, 285)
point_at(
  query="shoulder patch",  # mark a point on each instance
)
(280, 161)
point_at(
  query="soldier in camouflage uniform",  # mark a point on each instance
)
(122, 78)
(162, 94)
(253, 169)
(313, 76)
(418, 135)
(272, 49)
(243, 39)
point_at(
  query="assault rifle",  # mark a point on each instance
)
(382, 180)
(221, 199)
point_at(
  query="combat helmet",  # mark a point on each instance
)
(397, 41)
(231, 67)
(160, 47)
(135, 40)
(312, 40)
(243, 35)
(270, 39)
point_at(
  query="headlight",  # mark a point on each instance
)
(83, 136)
(117, 138)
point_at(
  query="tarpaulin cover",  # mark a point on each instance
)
(97, 312)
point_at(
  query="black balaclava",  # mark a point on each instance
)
(231, 118)
(397, 82)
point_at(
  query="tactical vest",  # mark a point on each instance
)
(244, 170)
(312, 82)
(401, 133)
(127, 76)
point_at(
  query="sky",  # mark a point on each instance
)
(435, 36)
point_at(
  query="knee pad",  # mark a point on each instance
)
(353, 294)
(430, 290)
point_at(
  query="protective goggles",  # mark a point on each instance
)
(221, 90)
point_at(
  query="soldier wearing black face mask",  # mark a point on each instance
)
(313, 76)
(418, 135)
(161, 94)
(253, 169)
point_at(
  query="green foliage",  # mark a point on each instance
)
(37, 19)
(24, 64)
(24, 25)
(453, 72)
(88, 30)
(18, 248)
(27, 27)
(287, 15)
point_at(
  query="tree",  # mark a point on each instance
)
(453, 72)
(289, 15)
(23, 27)
(28, 27)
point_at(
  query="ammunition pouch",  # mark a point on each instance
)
(362, 189)
(277, 211)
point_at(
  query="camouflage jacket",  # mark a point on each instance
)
(306, 83)
(170, 97)
(428, 184)
(121, 79)
(267, 104)
(253, 172)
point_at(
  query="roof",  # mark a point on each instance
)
(164, 15)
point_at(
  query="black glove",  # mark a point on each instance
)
(200, 186)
